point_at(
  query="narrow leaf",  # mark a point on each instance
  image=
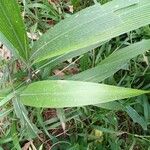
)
(113, 63)
(5, 113)
(136, 117)
(111, 106)
(14, 135)
(6, 99)
(26, 124)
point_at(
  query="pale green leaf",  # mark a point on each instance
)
(85, 28)
(58, 59)
(6, 99)
(63, 93)
(113, 63)
(74, 33)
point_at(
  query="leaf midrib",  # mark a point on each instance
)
(93, 19)
(106, 13)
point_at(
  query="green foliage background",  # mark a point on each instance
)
(120, 58)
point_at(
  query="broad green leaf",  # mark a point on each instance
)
(85, 28)
(63, 93)
(58, 59)
(113, 63)
(12, 29)
(120, 4)
(74, 33)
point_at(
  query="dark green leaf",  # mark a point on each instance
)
(12, 29)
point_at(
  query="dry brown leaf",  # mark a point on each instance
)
(32, 36)
(145, 59)
(26, 146)
(72, 70)
(54, 1)
(59, 73)
(5, 53)
(70, 8)
(1, 74)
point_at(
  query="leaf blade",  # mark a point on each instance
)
(63, 93)
(12, 29)
(65, 34)
(122, 21)
(113, 63)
